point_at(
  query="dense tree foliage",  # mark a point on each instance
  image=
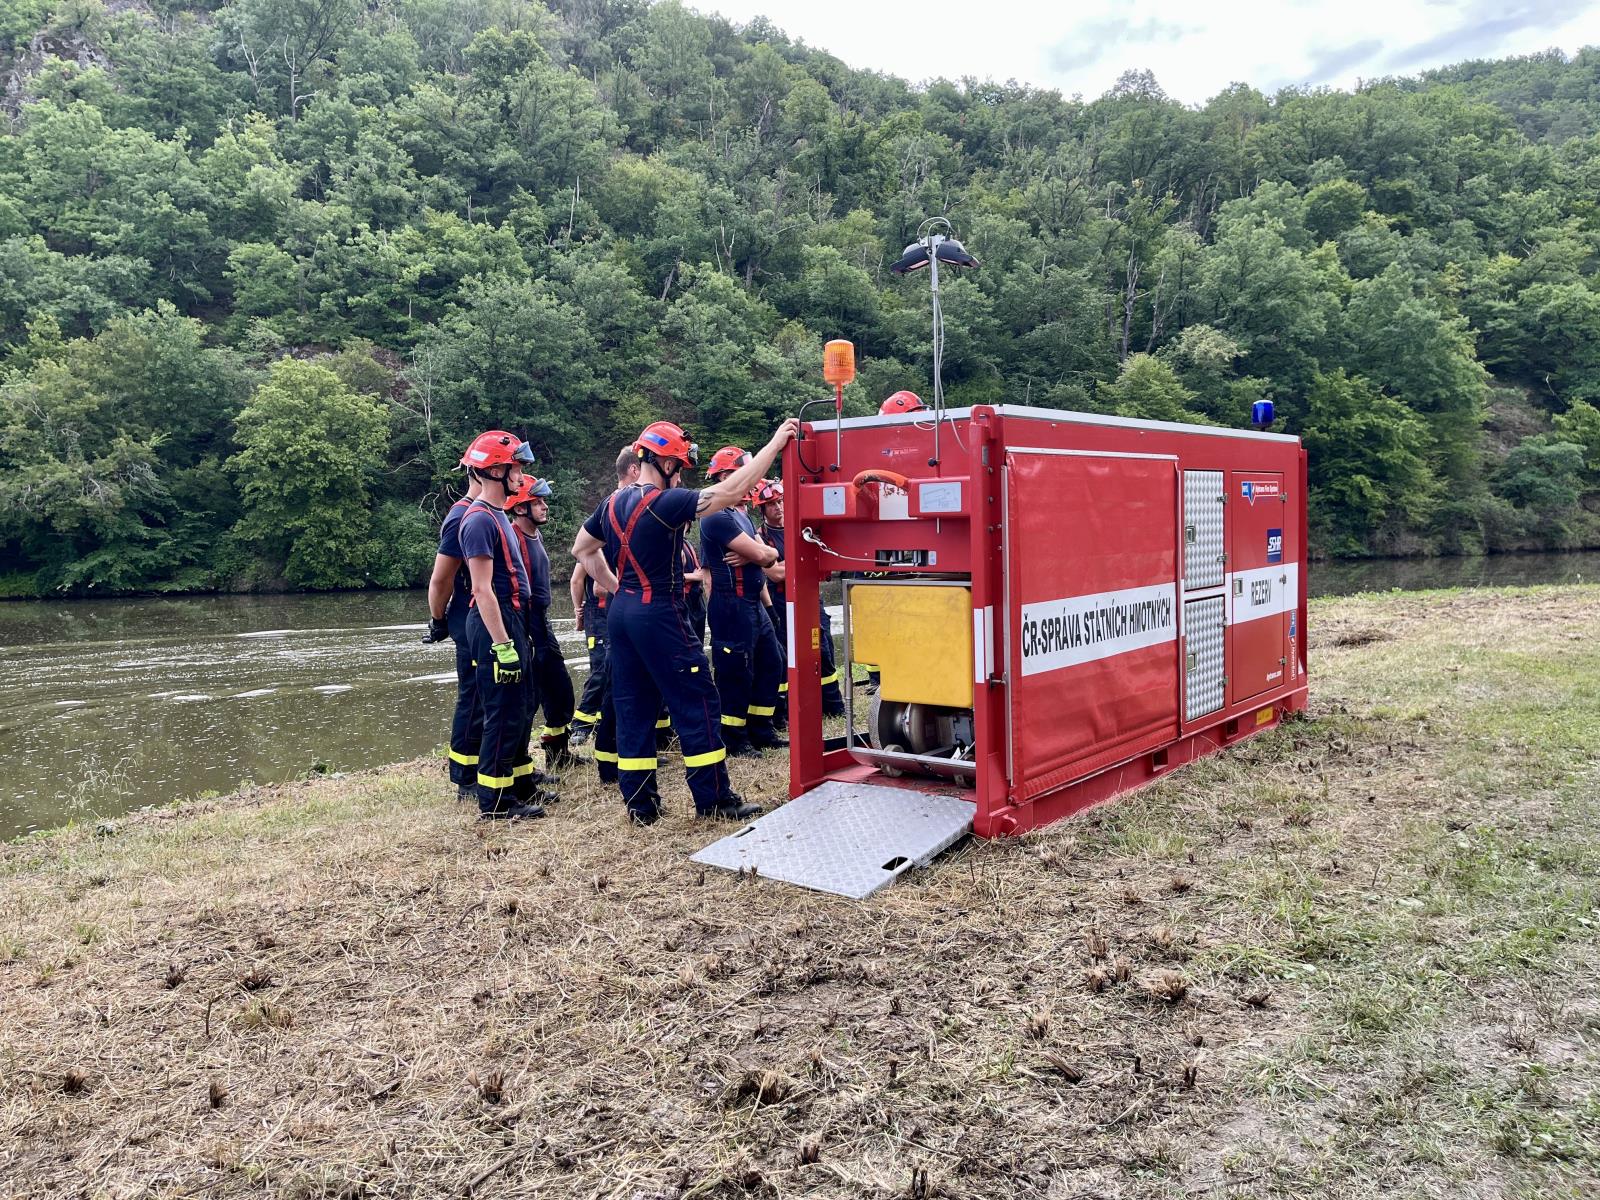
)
(266, 265)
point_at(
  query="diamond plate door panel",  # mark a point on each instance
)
(1202, 530)
(846, 838)
(1205, 682)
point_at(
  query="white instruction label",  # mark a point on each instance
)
(940, 497)
(1080, 629)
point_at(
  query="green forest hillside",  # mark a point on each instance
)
(265, 266)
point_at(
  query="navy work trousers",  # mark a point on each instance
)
(503, 746)
(749, 664)
(587, 709)
(551, 679)
(466, 725)
(654, 657)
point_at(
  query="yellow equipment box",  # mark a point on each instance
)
(920, 638)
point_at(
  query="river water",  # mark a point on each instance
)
(107, 705)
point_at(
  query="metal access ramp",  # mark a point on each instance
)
(846, 838)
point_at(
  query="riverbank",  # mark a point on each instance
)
(1330, 576)
(1350, 958)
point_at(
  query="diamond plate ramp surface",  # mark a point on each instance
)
(846, 838)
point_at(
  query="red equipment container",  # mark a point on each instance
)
(1135, 591)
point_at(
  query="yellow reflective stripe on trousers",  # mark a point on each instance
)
(707, 759)
(494, 781)
(664, 723)
(591, 643)
(783, 689)
(587, 718)
(524, 769)
(727, 720)
(636, 764)
(827, 679)
(762, 710)
(604, 756)
(555, 730)
(466, 760)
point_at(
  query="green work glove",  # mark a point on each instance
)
(507, 663)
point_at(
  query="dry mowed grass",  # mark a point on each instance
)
(1351, 958)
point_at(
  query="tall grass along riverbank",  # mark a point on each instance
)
(1350, 958)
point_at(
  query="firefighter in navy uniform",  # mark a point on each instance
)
(449, 599)
(767, 497)
(529, 508)
(653, 654)
(696, 581)
(744, 647)
(495, 629)
(589, 606)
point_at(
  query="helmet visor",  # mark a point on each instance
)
(523, 454)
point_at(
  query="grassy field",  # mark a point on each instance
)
(1353, 957)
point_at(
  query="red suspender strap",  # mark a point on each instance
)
(527, 555)
(624, 553)
(505, 552)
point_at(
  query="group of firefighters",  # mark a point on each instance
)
(643, 598)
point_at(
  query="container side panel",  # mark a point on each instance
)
(1094, 593)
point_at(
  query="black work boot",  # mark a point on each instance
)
(510, 812)
(762, 736)
(738, 742)
(557, 755)
(644, 810)
(730, 808)
(582, 731)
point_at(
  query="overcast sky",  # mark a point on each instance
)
(1195, 48)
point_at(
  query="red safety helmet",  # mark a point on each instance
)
(496, 448)
(729, 458)
(663, 439)
(901, 402)
(531, 489)
(765, 492)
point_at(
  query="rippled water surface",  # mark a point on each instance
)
(107, 705)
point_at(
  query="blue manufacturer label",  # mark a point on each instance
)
(1256, 489)
(1274, 545)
